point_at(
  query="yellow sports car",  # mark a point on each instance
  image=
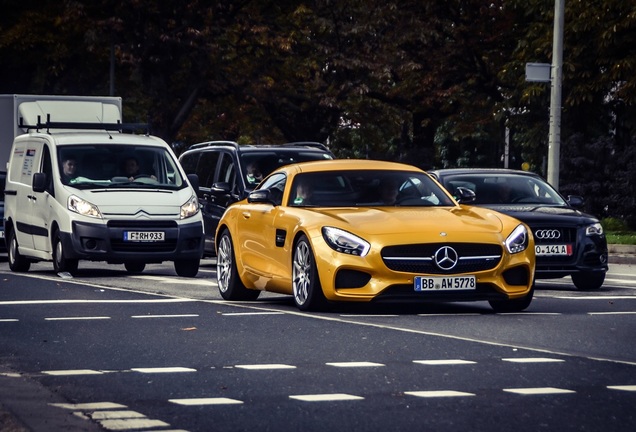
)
(361, 230)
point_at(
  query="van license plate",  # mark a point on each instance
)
(441, 283)
(144, 236)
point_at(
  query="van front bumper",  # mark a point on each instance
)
(108, 242)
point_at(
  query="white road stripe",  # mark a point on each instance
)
(165, 316)
(76, 318)
(532, 360)
(76, 301)
(163, 370)
(444, 362)
(89, 406)
(72, 372)
(612, 313)
(132, 424)
(251, 313)
(438, 393)
(8, 320)
(354, 364)
(538, 390)
(205, 401)
(325, 397)
(265, 366)
(631, 388)
(109, 415)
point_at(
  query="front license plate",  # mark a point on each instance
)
(544, 250)
(441, 283)
(144, 236)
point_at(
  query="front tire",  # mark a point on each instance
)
(60, 262)
(228, 280)
(17, 263)
(187, 268)
(306, 286)
(517, 305)
(588, 281)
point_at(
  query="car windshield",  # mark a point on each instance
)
(115, 166)
(506, 189)
(260, 164)
(368, 188)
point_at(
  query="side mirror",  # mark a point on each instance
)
(193, 179)
(260, 196)
(464, 195)
(576, 201)
(39, 182)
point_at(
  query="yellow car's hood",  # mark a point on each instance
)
(398, 220)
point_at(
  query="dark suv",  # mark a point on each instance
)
(568, 242)
(228, 172)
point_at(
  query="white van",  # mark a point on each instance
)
(99, 212)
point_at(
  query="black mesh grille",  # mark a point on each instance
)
(419, 258)
(147, 224)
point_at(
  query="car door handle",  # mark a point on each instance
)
(32, 197)
(246, 215)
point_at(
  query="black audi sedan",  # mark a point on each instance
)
(568, 242)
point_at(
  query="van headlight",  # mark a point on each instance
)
(345, 242)
(79, 206)
(517, 241)
(190, 208)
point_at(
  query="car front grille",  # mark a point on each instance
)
(420, 258)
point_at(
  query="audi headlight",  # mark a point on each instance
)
(517, 241)
(345, 242)
(594, 229)
(190, 208)
(78, 205)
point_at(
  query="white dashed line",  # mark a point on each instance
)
(329, 397)
(76, 318)
(69, 372)
(265, 366)
(438, 393)
(205, 401)
(132, 424)
(8, 320)
(110, 415)
(163, 370)
(165, 316)
(93, 406)
(251, 313)
(354, 364)
(444, 362)
(612, 313)
(532, 360)
(631, 388)
(538, 391)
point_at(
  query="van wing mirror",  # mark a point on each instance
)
(39, 182)
(193, 179)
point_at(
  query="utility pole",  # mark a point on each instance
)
(554, 142)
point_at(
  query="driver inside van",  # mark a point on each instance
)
(69, 169)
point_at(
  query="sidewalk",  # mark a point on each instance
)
(622, 254)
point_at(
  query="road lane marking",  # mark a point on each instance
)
(76, 318)
(92, 406)
(163, 370)
(631, 388)
(132, 424)
(532, 360)
(612, 313)
(8, 320)
(205, 401)
(264, 366)
(166, 316)
(110, 415)
(438, 393)
(444, 362)
(327, 397)
(250, 313)
(80, 301)
(69, 372)
(354, 364)
(538, 390)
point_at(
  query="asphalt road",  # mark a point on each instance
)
(109, 351)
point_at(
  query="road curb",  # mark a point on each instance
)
(622, 254)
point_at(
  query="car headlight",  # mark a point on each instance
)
(345, 242)
(190, 208)
(517, 241)
(594, 229)
(78, 205)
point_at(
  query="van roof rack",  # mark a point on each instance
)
(119, 126)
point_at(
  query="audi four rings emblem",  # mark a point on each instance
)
(547, 234)
(446, 258)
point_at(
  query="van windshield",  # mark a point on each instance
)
(116, 166)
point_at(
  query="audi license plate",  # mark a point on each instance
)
(442, 283)
(545, 250)
(144, 236)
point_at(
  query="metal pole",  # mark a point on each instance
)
(556, 75)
